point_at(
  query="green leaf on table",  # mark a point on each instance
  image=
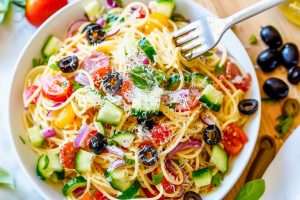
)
(6, 179)
(4, 6)
(268, 100)
(142, 77)
(285, 124)
(217, 179)
(252, 39)
(19, 3)
(252, 190)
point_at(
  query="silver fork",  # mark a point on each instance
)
(202, 35)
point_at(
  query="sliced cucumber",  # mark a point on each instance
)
(212, 98)
(42, 169)
(173, 82)
(119, 179)
(54, 163)
(131, 192)
(145, 103)
(100, 128)
(93, 10)
(166, 7)
(57, 177)
(199, 80)
(73, 184)
(52, 46)
(35, 136)
(202, 177)
(219, 158)
(124, 139)
(147, 48)
(110, 114)
(83, 161)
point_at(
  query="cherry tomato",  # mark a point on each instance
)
(150, 26)
(63, 117)
(189, 101)
(232, 72)
(57, 88)
(95, 61)
(37, 11)
(29, 92)
(244, 84)
(145, 143)
(99, 74)
(234, 139)
(97, 195)
(160, 134)
(126, 90)
(88, 138)
(168, 187)
(67, 155)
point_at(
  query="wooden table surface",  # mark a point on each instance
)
(289, 32)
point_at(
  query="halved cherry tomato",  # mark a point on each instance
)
(232, 70)
(67, 155)
(95, 61)
(234, 139)
(29, 92)
(233, 73)
(126, 90)
(88, 138)
(99, 74)
(168, 187)
(63, 117)
(160, 134)
(188, 101)
(37, 11)
(57, 88)
(244, 84)
(145, 143)
(150, 26)
(150, 195)
(97, 195)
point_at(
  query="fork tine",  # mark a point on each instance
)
(185, 30)
(196, 52)
(192, 35)
(196, 42)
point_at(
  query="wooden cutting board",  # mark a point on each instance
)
(290, 33)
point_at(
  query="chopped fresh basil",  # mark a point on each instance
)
(219, 70)
(157, 178)
(142, 77)
(207, 54)
(171, 105)
(217, 179)
(285, 124)
(129, 161)
(252, 190)
(268, 100)
(6, 179)
(252, 39)
(147, 48)
(191, 55)
(77, 86)
(160, 76)
(22, 139)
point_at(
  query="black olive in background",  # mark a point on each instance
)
(68, 64)
(190, 195)
(212, 135)
(95, 34)
(268, 60)
(289, 55)
(294, 75)
(276, 88)
(112, 82)
(248, 106)
(271, 36)
(98, 143)
(148, 155)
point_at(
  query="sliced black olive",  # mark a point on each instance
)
(291, 107)
(148, 123)
(112, 82)
(148, 155)
(294, 75)
(248, 106)
(268, 60)
(289, 55)
(98, 143)
(87, 27)
(276, 88)
(95, 34)
(271, 36)
(68, 64)
(212, 135)
(191, 196)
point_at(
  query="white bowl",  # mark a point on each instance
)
(57, 25)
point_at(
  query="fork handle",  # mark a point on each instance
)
(251, 11)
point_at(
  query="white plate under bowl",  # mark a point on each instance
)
(57, 25)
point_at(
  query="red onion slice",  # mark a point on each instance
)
(83, 131)
(116, 151)
(146, 61)
(192, 143)
(48, 132)
(112, 32)
(75, 26)
(112, 4)
(206, 119)
(82, 79)
(116, 164)
(79, 191)
(101, 21)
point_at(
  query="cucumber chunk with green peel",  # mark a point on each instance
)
(173, 82)
(48, 164)
(202, 177)
(35, 136)
(147, 48)
(212, 97)
(219, 158)
(93, 10)
(199, 80)
(166, 7)
(52, 46)
(83, 161)
(131, 192)
(124, 139)
(119, 179)
(73, 184)
(100, 128)
(110, 114)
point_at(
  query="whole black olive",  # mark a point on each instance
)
(68, 64)
(294, 75)
(212, 135)
(95, 34)
(112, 82)
(289, 55)
(98, 143)
(191, 196)
(148, 155)
(268, 60)
(248, 106)
(276, 88)
(271, 36)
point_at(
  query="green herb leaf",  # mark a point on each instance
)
(46, 162)
(54, 66)
(160, 76)
(207, 54)
(129, 161)
(219, 69)
(142, 77)
(157, 178)
(191, 55)
(6, 179)
(285, 124)
(252, 39)
(268, 100)
(77, 86)
(171, 105)
(178, 18)
(22, 139)
(147, 48)
(252, 190)
(217, 179)
(4, 6)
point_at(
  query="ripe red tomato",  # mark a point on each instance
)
(126, 90)
(57, 88)
(244, 84)
(37, 11)
(97, 195)
(168, 187)
(232, 72)
(67, 155)
(88, 138)
(160, 134)
(99, 74)
(29, 92)
(145, 143)
(188, 102)
(234, 139)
